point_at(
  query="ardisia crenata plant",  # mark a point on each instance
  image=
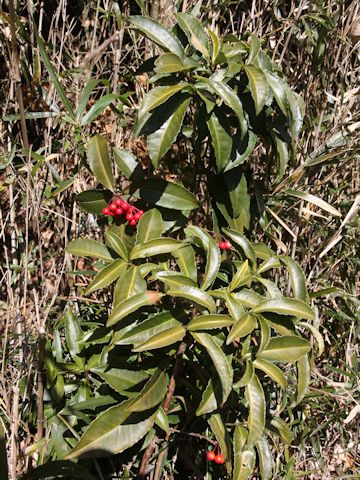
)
(190, 369)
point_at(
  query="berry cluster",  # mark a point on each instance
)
(216, 457)
(119, 207)
(225, 245)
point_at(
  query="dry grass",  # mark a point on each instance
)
(316, 47)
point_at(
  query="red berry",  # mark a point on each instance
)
(129, 217)
(105, 211)
(125, 206)
(133, 222)
(137, 216)
(228, 245)
(219, 459)
(210, 456)
(112, 207)
(119, 211)
(141, 213)
(222, 245)
(118, 202)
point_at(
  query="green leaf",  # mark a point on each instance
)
(162, 339)
(98, 107)
(286, 349)
(244, 464)
(242, 327)
(185, 258)
(221, 138)
(152, 394)
(216, 45)
(286, 306)
(157, 246)
(99, 162)
(243, 243)
(303, 378)
(221, 364)
(162, 420)
(58, 469)
(213, 254)
(278, 87)
(128, 164)
(248, 298)
(239, 440)
(242, 148)
(73, 332)
(241, 277)
(318, 202)
(270, 263)
(295, 113)
(147, 329)
(219, 430)
(53, 74)
(265, 333)
(258, 86)
(157, 33)
(240, 203)
(106, 276)
(247, 376)
(283, 429)
(230, 98)
(169, 63)
(121, 380)
(112, 432)
(194, 32)
(211, 398)
(85, 247)
(157, 191)
(85, 95)
(131, 283)
(115, 242)
(160, 141)
(316, 334)
(132, 304)
(282, 154)
(150, 226)
(297, 278)
(93, 201)
(159, 95)
(256, 420)
(195, 295)
(274, 372)
(235, 307)
(255, 46)
(173, 279)
(209, 322)
(265, 458)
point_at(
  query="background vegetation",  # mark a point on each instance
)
(43, 168)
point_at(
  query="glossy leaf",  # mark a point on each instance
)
(93, 201)
(157, 33)
(270, 263)
(98, 107)
(243, 243)
(286, 306)
(216, 45)
(130, 305)
(185, 258)
(173, 279)
(130, 284)
(242, 327)
(106, 276)
(211, 397)
(213, 254)
(235, 307)
(282, 155)
(241, 277)
(274, 372)
(209, 322)
(115, 242)
(303, 378)
(283, 429)
(150, 226)
(160, 141)
(248, 298)
(159, 95)
(99, 162)
(265, 458)
(224, 370)
(219, 430)
(244, 464)
(286, 349)
(162, 420)
(85, 247)
(128, 164)
(295, 113)
(194, 31)
(121, 380)
(278, 87)
(247, 376)
(195, 295)
(157, 191)
(112, 432)
(256, 420)
(221, 139)
(169, 63)
(297, 278)
(152, 394)
(73, 332)
(162, 339)
(157, 246)
(316, 334)
(258, 86)
(147, 329)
